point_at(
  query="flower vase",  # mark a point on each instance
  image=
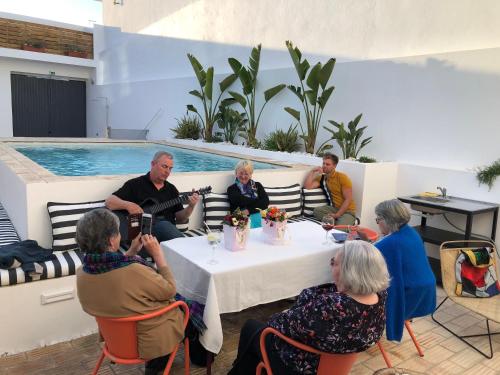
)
(235, 238)
(274, 231)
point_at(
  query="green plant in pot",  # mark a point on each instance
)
(34, 45)
(247, 99)
(366, 159)
(188, 127)
(205, 94)
(348, 139)
(313, 94)
(280, 140)
(487, 175)
(74, 50)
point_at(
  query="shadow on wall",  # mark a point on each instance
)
(438, 110)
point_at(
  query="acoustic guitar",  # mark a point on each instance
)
(130, 225)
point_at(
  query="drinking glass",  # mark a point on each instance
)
(214, 238)
(327, 224)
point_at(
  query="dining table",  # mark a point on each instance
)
(230, 281)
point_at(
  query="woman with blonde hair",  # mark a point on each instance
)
(246, 194)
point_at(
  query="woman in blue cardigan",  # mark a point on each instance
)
(412, 292)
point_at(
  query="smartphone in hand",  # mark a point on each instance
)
(146, 223)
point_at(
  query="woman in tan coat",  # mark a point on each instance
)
(112, 284)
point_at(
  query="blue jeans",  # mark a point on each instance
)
(164, 230)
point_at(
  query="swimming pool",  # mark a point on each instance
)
(119, 159)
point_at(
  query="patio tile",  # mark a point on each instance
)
(429, 339)
(446, 368)
(443, 354)
(417, 364)
(360, 369)
(437, 354)
(466, 359)
(480, 370)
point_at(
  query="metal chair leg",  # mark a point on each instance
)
(413, 338)
(384, 354)
(463, 337)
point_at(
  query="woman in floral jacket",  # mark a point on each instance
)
(345, 316)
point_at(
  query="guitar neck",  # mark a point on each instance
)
(167, 204)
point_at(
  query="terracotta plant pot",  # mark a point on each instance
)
(80, 54)
(27, 47)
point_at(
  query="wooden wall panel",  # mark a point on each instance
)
(56, 40)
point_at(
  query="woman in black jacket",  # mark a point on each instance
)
(246, 194)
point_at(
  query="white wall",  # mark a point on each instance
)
(9, 65)
(438, 109)
(361, 29)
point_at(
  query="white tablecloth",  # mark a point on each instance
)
(260, 274)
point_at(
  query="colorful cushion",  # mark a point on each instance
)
(287, 198)
(63, 217)
(313, 198)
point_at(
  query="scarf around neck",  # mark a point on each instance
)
(109, 261)
(249, 189)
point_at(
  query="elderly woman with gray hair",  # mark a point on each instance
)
(112, 284)
(413, 286)
(345, 316)
(246, 194)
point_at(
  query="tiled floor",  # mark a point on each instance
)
(444, 354)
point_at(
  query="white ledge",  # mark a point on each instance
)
(46, 57)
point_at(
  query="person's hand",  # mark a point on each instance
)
(135, 246)
(134, 208)
(363, 236)
(151, 245)
(318, 170)
(193, 199)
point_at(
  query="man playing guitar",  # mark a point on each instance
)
(154, 185)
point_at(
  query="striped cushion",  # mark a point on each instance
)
(8, 234)
(313, 198)
(215, 207)
(287, 198)
(63, 217)
(184, 226)
(296, 219)
(67, 263)
(194, 233)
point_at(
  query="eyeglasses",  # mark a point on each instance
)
(378, 219)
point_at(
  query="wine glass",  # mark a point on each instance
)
(327, 224)
(214, 238)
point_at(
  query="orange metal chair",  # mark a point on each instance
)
(120, 338)
(336, 364)
(353, 231)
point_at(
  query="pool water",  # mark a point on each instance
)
(112, 159)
